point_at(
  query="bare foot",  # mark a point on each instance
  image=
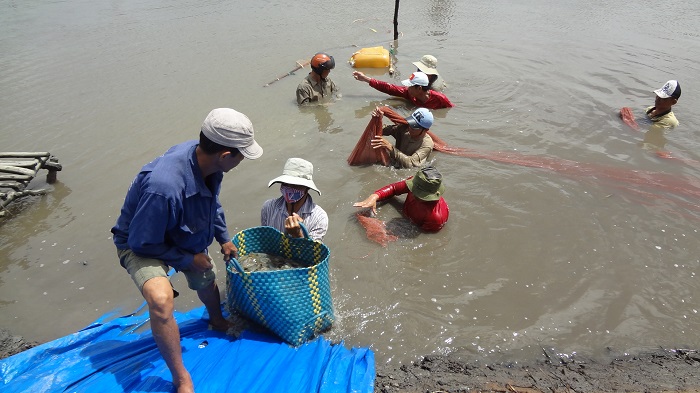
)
(185, 384)
(221, 325)
(185, 389)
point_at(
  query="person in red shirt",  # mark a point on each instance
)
(424, 204)
(416, 89)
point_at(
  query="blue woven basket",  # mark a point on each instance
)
(295, 304)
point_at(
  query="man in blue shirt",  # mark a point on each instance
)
(170, 216)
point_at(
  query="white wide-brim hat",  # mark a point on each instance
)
(299, 172)
(427, 64)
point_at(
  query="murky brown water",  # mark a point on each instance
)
(605, 254)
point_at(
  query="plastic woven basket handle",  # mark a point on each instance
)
(304, 230)
(234, 262)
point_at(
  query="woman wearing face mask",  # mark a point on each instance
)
(295, 205)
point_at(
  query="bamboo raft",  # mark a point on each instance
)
(17, 169)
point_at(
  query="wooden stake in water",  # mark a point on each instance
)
(396, 20)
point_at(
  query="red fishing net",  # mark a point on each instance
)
(364, 153)
(438, 144)
(628, 117)
(648, 188)
(376, 229)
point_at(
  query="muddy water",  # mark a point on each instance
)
(604, 253)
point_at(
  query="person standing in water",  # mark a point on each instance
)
(661, 112)
(415, 89)
(413, 144)
(317, 86)
(428, 65)
(295, 206)
(424, 204)
(662, 117)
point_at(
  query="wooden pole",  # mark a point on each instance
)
(299, 66)
(396, 21)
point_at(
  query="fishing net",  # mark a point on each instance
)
(376, 229)
(671, 193)
(364, 153)
(628, 118)
(443, 147)
(438, 143)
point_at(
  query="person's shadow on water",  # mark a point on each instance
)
(654, 139)
(324, 120)
(401, 227)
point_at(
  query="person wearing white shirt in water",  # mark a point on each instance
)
(295, 206)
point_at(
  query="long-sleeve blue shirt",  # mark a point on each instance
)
(170, 212)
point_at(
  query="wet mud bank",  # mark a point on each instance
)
(663, 370)
(11, 344)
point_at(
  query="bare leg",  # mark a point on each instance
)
(212, 301)
(159, 296)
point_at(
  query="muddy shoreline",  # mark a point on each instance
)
(662, 370)
(12, 345)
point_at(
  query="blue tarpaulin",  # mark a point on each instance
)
(109, 356)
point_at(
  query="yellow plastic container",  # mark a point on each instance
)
(375, 57)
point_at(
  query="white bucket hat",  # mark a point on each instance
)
(299, 172)
(427, 64)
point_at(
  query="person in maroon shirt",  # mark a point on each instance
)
(424, 204)
(416, 89)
